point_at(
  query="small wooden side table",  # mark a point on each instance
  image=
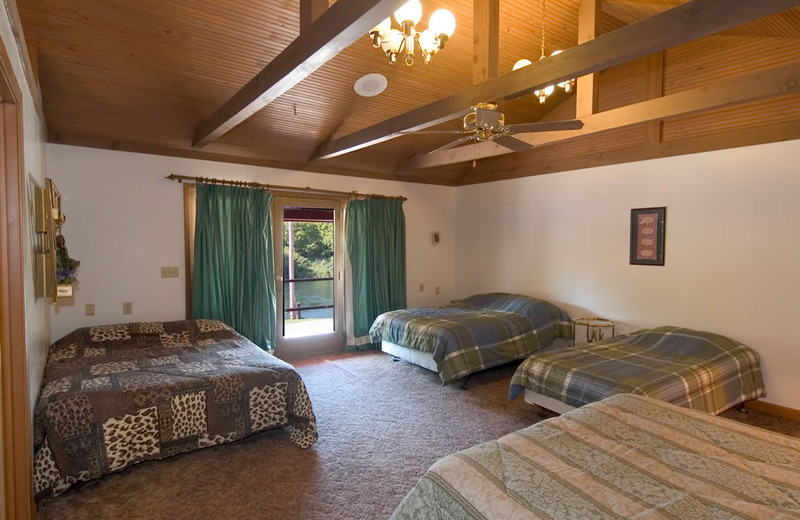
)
(595, 328)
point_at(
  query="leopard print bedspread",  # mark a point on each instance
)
(117, 395)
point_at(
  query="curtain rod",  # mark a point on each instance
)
(307, 189)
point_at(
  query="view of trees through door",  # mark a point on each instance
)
(308, 271)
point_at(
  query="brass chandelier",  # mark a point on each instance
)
(396, 42)
(549, 89)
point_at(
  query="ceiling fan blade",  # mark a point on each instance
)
(410, 132)
(486, 118)
(453, 144)
(512, 143)
(546, 126)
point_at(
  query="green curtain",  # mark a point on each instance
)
(376, 246)
(234, 273)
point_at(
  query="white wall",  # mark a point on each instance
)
(125, 221)
(732, 247)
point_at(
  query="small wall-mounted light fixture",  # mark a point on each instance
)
(435, 238)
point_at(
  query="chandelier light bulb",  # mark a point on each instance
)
(442, 22)
(411, 11)
(546, 91)
(392, 44)
(379, 32)
(521, 63)
(429, 44)
(383, 27)
(568, 84)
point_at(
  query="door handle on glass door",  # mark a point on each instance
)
(279, 278)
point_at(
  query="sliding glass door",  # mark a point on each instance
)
(309, 285)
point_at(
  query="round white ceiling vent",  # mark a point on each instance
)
(370, 85)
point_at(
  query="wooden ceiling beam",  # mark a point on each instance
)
(751, 87)
(335, 29)
(615, 12)
(589, 13)
(310, 10)
(655, 89)
(686, 22)
(485, 40)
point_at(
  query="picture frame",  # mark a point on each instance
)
(648, 227)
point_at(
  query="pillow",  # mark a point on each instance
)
(548, 320)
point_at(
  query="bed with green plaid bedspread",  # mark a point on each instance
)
(627, 456)
(475, 333)
(685, 367)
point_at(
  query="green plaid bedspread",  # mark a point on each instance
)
(685, 367)
(624, 457)
(475, 333)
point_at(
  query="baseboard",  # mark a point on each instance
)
(775, 409)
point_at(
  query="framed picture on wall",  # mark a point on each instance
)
(647, 236)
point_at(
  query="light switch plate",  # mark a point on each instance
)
(127, 307)
(169, 272)
(89, 309)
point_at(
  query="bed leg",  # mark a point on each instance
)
(541, 412)
(395, 359)
(742, 408)
(465, 382)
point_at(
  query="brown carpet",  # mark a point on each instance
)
(381, 425)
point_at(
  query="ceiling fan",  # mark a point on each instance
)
(486, 123)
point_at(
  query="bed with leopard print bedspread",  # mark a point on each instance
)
(117, 395)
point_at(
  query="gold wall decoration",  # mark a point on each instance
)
(48, 225)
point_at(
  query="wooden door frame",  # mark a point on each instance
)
(17, 481)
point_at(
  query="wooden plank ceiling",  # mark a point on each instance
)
(142, 76)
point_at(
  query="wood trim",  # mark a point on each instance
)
(655, 89)
(731, 139)
(759, 85)
(615, 12)
(681, 24)
(589, 13)
(338, 27)
(105, 143)
(774, 409)
(310, 10)
(189, 213)
(17, 435)
(31, 76)
(485, 40)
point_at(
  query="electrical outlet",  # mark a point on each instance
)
(422, 287)
(127, 307)
(436, 290)
(90, 309)
(169, 272)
